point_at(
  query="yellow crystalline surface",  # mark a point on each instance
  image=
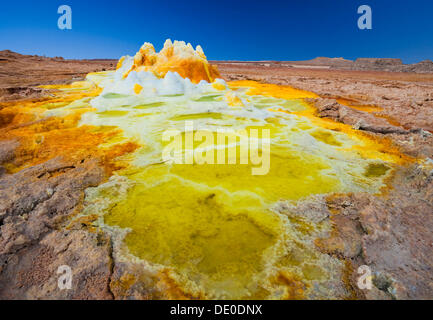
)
(210, 222)
(198, 232)
(292, 176)
(233, 100)
(175, 57)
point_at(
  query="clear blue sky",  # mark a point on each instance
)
(227, 30)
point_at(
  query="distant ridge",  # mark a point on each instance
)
(360, 64)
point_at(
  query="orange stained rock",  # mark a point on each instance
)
(172, 290)
(369, 147)
(377, 111)
(175, 57)
(390, 120)
(19, 112)
(295, 286)
(43, 138)
(361, 107)
(54, 137)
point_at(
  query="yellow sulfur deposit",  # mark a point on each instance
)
(272, 90)
(137, 88)
(175, 57)
(232, 99)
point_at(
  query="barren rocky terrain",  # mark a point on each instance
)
(20, 74)
(360, 64)
(391, 233)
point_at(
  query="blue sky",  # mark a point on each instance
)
(227, 30)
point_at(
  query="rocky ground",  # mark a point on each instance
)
(20, 74)
(391, 233)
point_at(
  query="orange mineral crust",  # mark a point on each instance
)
(42, 137)
(175, 57)
(271, 90)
